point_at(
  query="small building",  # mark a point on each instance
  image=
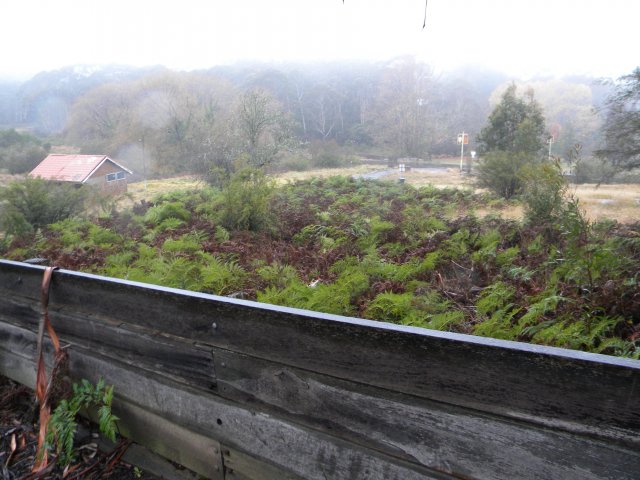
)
(96, 170)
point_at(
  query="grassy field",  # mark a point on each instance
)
(618, 202)
(147, 190)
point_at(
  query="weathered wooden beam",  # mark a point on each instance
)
(240, 466)
(468, 443)
(198, 452)
(149, 349)
(289, 449)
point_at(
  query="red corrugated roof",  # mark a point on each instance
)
(70, 168)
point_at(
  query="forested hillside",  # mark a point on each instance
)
(185, 122)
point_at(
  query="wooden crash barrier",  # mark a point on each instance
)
(237, 389)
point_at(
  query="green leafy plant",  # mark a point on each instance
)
(276, 275)
(221, 277)
(63, 422)
(496, 309)
(174, 210)
(500, 172)
(246, 201)
(544, 190)
(222, 234)
(33, 203)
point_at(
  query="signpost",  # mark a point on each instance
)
(463, 139)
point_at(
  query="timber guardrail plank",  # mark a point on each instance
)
(289, 447)
(180, 359)
(434, 434)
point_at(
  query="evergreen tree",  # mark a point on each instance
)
(512, 139)
(516, 125)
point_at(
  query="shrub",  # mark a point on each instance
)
(500, 172)
(544, 189)
(296, 163)
(29, 204)
(246, 201)
(326, 155)
(20, 152)
(592, 170)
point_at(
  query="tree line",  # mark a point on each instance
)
(257, 114)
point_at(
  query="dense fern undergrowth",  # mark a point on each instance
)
(376, 250)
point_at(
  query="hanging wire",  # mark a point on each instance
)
(424, 24)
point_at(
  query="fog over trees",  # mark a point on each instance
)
(256, 113)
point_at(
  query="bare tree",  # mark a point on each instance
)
(264, 129)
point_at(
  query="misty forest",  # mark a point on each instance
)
(343, 188)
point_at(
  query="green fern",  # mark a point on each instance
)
(222, 234)
(220, 277)
(156, 214)
(186, 244)
(500, 324)
(168, 225)
(494, 297)
(62, 423)
(392, 307)
(457, 245)
(536, 245)
(179, 273)
(558, 333)
(506, 257)
(496, 312)
(276, 275)
(488, 246)
(591, 334)
(296, 294)
(428, 310)
(619, 347)
(103, 237)
(537, 311)
(445, 320)
(520, 273)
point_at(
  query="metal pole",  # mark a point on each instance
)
(144, 166)
(461, 151)
(550, 142)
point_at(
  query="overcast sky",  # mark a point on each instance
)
(520, 37)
